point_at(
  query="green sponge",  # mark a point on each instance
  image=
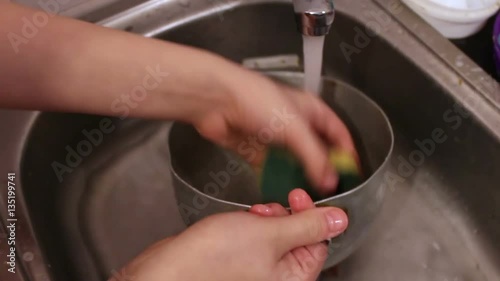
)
(282, 173)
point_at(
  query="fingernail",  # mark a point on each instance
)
(337, 222)
(330, 180)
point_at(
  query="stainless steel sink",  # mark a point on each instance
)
(441, 220)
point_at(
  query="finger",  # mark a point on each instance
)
(336, 132)
(326, 122)
(269, 210)
(214, 128)
(235, 141)
(302, 140)
(310, 259)
(331, 126)
(299, 201)
(278, 210)
(306, 228)
(261, 210)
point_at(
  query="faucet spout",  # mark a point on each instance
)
(314, 17)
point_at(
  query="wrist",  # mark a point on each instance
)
(206, 87)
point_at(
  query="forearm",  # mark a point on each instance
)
(80, 67)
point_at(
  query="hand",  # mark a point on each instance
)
(262, 112)
(274, 246)
(154, 79)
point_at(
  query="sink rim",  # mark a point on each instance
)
(23, 121)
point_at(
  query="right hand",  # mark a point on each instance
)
(260, 112)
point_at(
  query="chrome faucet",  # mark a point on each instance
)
(314, 17)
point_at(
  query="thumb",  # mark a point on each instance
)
(307, 228)
(312, 153)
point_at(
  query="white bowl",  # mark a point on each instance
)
(455, 19)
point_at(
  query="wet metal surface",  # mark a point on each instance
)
(441, 217)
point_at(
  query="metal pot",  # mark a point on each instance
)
(209, 180)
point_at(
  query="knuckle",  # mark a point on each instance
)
(320, 253)
(309, 264)
(213, 127)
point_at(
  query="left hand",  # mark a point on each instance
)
(273, 246)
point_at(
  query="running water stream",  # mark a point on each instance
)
(313, 59)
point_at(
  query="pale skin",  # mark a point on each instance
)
(73, 66)
(266, 244)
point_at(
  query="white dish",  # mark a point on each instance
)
(455, 18)
(465, 4)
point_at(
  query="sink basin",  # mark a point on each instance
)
(441, 218)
